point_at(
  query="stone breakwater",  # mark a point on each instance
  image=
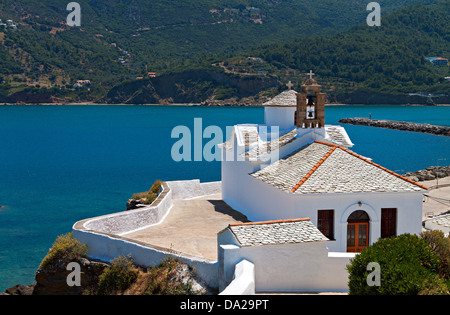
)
(429, 173)
(399, 125)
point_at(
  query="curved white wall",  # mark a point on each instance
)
(280, 116)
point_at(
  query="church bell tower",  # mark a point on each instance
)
(310, 111)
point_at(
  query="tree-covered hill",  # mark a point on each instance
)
(387, 59)
(120, 40)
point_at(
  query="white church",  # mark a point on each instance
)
(312, 205)
(294, 166)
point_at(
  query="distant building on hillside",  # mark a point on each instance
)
(81, 83)
(9, 23)
(438, 61)
(254, 59)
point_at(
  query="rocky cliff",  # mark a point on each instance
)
(170, 278)
(194, 86)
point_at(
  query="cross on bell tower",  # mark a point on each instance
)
(310, 111)
(289, 85)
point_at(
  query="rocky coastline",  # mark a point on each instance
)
(398, 125)
(430, 173)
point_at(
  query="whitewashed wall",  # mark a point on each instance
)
(283, 117)
(285, 267)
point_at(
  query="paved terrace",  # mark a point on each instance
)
(191, 226)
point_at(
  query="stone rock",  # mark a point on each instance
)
(429, 173)
(54, 281)
(183, 274)
(132, 204)
(20, 290)
(135, 204)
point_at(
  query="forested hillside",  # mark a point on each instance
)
(385, 59)
(120, 40)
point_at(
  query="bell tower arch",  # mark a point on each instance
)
(310, 111)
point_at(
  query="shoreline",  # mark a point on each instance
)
(203, 105)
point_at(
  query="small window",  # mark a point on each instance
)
(325, 223)
(388, 222)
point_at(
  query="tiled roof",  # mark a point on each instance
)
(285, 98)
(338, 136)
(273, 145)
(322, 167)
(276, 232)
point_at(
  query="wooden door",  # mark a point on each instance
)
(357, 236)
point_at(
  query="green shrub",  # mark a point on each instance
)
(162, 280)
(120, 276)
(65, 248)
(406, 261)
(434, 286)
(156, 187)
(139, 196)
(441, 246)
(149, 196)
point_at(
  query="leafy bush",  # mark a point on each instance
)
(65, 248)
(156, 187)
(434, 286)
(406, 263)
(149, 196)
(441, 246)
(120, 276)
(162, 280)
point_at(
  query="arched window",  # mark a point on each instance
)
(358, 216)
(310, 107)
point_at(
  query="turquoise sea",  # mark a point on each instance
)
(61, 164)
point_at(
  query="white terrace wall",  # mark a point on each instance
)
(104, 235)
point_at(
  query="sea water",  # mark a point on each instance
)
(62, 164)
